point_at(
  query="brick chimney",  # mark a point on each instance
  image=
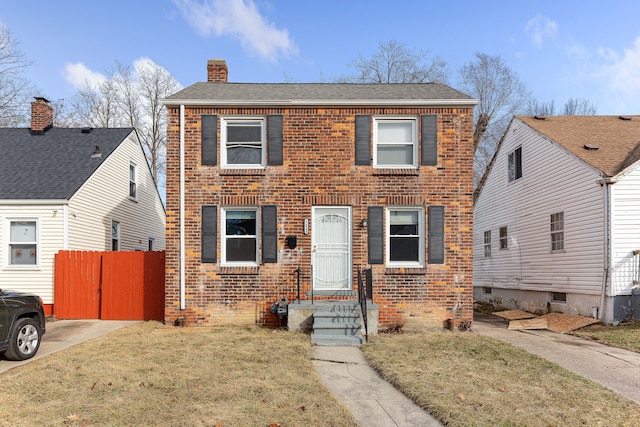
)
(217, 70)
(41, 116)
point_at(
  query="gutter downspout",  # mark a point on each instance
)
(181, 197)
(606, 185)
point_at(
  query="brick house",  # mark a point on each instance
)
(287, 190)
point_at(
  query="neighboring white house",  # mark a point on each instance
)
(71, 189)
(557, 217)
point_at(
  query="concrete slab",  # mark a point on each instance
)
(373, 401)
(62, 334)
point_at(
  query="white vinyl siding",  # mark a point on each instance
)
(558, 182)
(39, 280)
(105, 197)
(625, 231)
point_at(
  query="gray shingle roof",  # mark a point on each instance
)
(52, 166)
(319, 93)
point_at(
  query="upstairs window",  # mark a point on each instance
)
(504, 239)
(557, 231)
(395, 143)
(23, 243)
(487, 244)
(243, 143)
(405, 237)
(515, 164)
(133, 180)
(240, 236)
(115, 236)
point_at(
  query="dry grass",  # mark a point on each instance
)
(468, 380)
(151, 375)
(625, 336)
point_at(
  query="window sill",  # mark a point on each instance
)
(396, 172)
(21, 268)
(407, 271)
(243, 172)
(250, 271)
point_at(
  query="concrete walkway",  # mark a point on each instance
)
(373, 401)
(614, 368)
(62, 334)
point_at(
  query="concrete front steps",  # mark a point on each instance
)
(337, 323)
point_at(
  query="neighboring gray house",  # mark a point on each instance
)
(71, 189)
(557, 217)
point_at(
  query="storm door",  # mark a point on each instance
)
(331, 248)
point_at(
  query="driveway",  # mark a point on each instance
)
(62, 334)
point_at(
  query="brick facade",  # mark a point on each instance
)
(319, 170)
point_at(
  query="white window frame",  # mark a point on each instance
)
(133, 180)
(487, 243)
(504, 238)
(151, 243)
(414, 143)
(7, 242)
(224, 122)
(557, 230)
(421, 237)
(513, 173)
(224, 237)
(118, 239)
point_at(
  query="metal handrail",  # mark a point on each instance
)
(362, 300)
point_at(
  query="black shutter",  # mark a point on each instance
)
(209, 139)
(363, 140)
(269, 234)
(209, 234)
(274, 139)
(430, 140)
(518, 162)
(436, 234)
(375, 234)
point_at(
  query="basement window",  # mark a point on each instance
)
(486, 290)
(558, 297)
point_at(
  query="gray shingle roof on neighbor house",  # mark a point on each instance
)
(54, 165)
(212, 93)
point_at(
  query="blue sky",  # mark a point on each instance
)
(560, 49)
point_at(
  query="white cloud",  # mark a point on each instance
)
(621, 72)
(239, 19)
(540, 28)
(78, 74)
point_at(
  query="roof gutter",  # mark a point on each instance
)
(606, 183)
(326, 102)
(34, 202)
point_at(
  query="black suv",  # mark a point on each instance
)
(21, 325)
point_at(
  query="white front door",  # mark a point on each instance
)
(331, 248)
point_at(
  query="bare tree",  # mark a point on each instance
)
(499, 91)
(573, 107)
(540, 108)
(97, 106)
(131, 97)
(396, 63)
(63, 117)
(579, 107)
(15, 89)
(500, 95)
(154, 84)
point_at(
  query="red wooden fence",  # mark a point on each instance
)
(109, 285)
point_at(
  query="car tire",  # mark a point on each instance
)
(25, 340)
